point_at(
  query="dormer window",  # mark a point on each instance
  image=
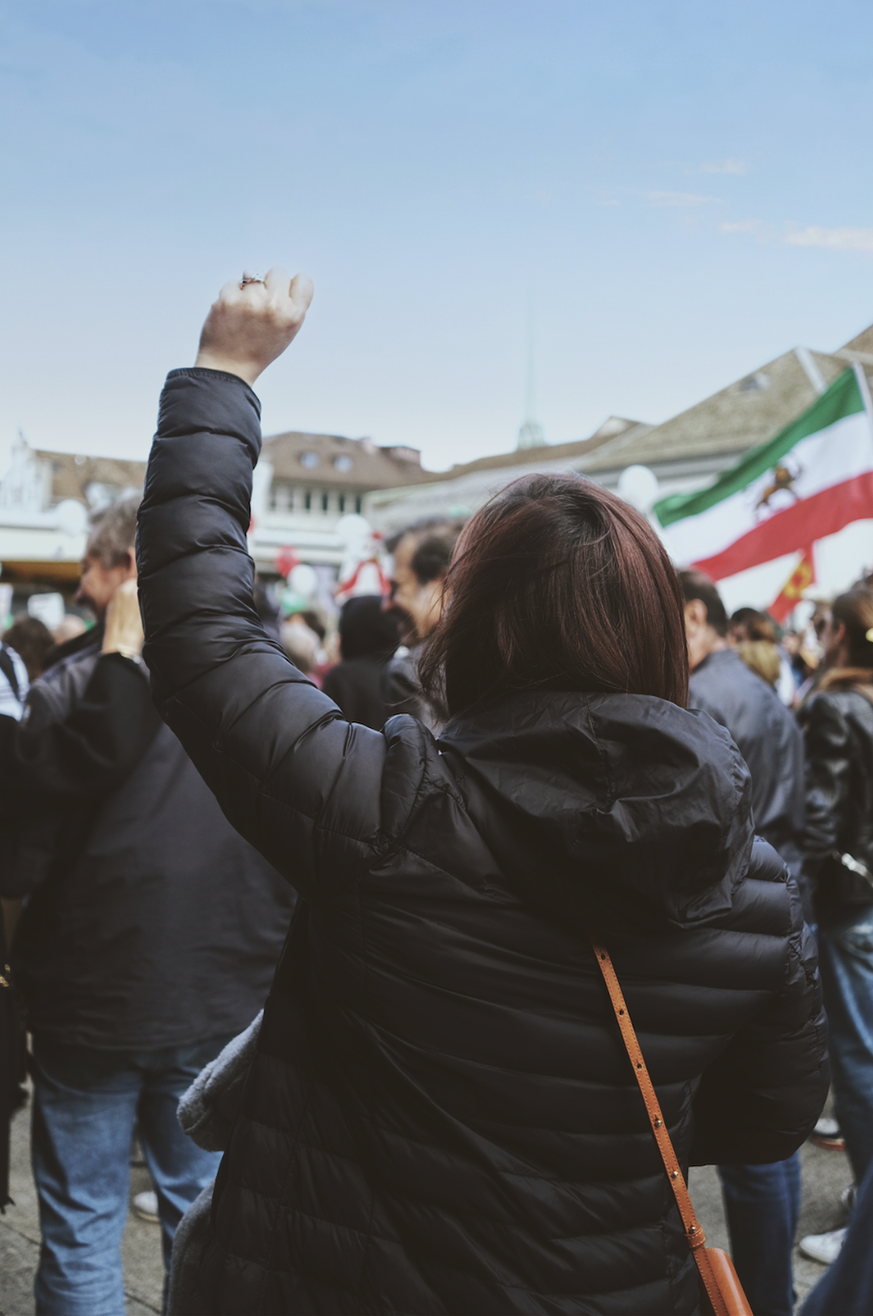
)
(309, 460)
(343, 462)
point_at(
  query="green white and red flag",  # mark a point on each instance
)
(811, 480)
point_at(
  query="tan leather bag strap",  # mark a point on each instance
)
(693, 1231)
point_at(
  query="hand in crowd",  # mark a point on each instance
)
(249, 326)
(123, 633)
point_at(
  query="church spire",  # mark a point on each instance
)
(530, 435)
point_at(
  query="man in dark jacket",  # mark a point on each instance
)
(149, 937)
(762, 1201)
(422, 553)
(440, 1116)
(368, 637)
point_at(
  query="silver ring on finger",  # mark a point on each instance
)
(249, 277)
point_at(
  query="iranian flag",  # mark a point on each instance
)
(810, 481)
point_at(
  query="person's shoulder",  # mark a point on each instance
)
(54, 694)
(825, 705)
(85, 645)
(713, 684)
(725, 678)
(402, 668)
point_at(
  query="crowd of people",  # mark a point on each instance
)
(349, 910)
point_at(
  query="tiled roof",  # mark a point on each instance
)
(746, 413)
(548, 452)
(862, 343)
(330, 460)
(72, 474)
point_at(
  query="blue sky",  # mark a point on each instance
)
(683, 190)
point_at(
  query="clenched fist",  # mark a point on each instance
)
(123, 631)
(249, 327)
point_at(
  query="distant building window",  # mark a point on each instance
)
(341, 502)
(307, 501)
(325, 502)
(343, 462)
(359, 503)
(309, 460)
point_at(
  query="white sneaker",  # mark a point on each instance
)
(145, 1205)
(823, 1247)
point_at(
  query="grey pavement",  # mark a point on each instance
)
(825, 1174)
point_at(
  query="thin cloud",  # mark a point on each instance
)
(836, 239)
(737, 167)
(682, 199)
(740, 226)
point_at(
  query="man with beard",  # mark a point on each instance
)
(422, 554)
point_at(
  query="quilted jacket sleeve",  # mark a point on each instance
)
(299, 782)
(759, 1101)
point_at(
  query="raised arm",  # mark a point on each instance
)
(297, 780)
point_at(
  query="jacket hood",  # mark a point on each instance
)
(615, 810)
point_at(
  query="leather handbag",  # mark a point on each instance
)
(721, 1293)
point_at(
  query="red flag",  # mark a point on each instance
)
(800, 579)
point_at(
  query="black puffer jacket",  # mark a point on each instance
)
(441, 1116)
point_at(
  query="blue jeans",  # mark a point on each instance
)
(847, 1286)
(762, 1203)
(846, 959)
(85, 1105)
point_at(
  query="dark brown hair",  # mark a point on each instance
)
(557, 584)
(32, 641)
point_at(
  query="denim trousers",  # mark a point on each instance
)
(762, 1204)
(85, 1106)
(847, 1286)
(846, 959)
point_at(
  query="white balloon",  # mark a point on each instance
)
(303, 580)
(638, 486)
(71, 517)
(352, 528)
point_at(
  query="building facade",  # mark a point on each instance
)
(685, 453)
(305, 484)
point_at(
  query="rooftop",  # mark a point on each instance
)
(330, 460)
(73, 474)
(548, 452)
(740, 416)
